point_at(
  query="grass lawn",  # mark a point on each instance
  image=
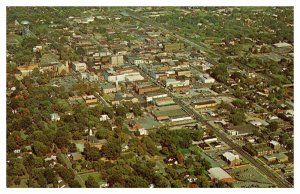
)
(248, 176)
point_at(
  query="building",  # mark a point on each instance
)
(104, 117)
(169, 47)
(134, 77)
(89, 99)
(108, 88)
(210, 139)
(147, 89)
(178, 118)
(89, 76)
(182, 72)
(151, 96)
(76, 156)
(231, 159)
(78, 66)
(116, 59)
(120, 75)
(207, 79)
(218, 174)
(275, 145)
(164, 101)
(27, 70)
(176, 83)
(55, 117)
(205, 104)
(181, 89)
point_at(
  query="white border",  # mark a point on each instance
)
(5, 3)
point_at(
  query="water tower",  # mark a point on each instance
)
(25, 28)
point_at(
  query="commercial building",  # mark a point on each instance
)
(164, 101)
(151, 96)
(117, 60)
(108, 88)
(78, 66)
(231, 159)
(207, 79)
(205, 104)
(218, 174)
(120, 75)
(181, 89)
(176, 83)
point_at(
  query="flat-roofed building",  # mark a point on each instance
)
(78, 66)
(231, 159)
(204, 104)
(218, 174)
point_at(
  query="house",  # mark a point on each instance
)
(55, 117)
(104, 117)
(218, 174)
(275, 145)
(129, 115)
(76, 156)
(89, 99)
(143, 131)
(27, 70)
(231, 159)
(78, 66)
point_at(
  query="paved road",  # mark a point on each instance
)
(69, 165)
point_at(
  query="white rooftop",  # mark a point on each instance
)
(218, 173)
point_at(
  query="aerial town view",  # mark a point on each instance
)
(150, 97)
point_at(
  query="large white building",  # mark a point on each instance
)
(207, 79)
(122, 75)
(176, 83)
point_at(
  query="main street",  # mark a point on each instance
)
(192, 112)
(280, 182)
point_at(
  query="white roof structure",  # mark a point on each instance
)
(282, 44)
(275, 143)
(218, 173)
(230, 156)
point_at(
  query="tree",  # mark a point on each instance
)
(220, 73)
(91, 182)
(66, 174)
(121, 111)
(238, 117)
(112, 149)
(50, 176)
(40, 149)
(92, 153)
(136, 182)
(273, 125)
(74, 184)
